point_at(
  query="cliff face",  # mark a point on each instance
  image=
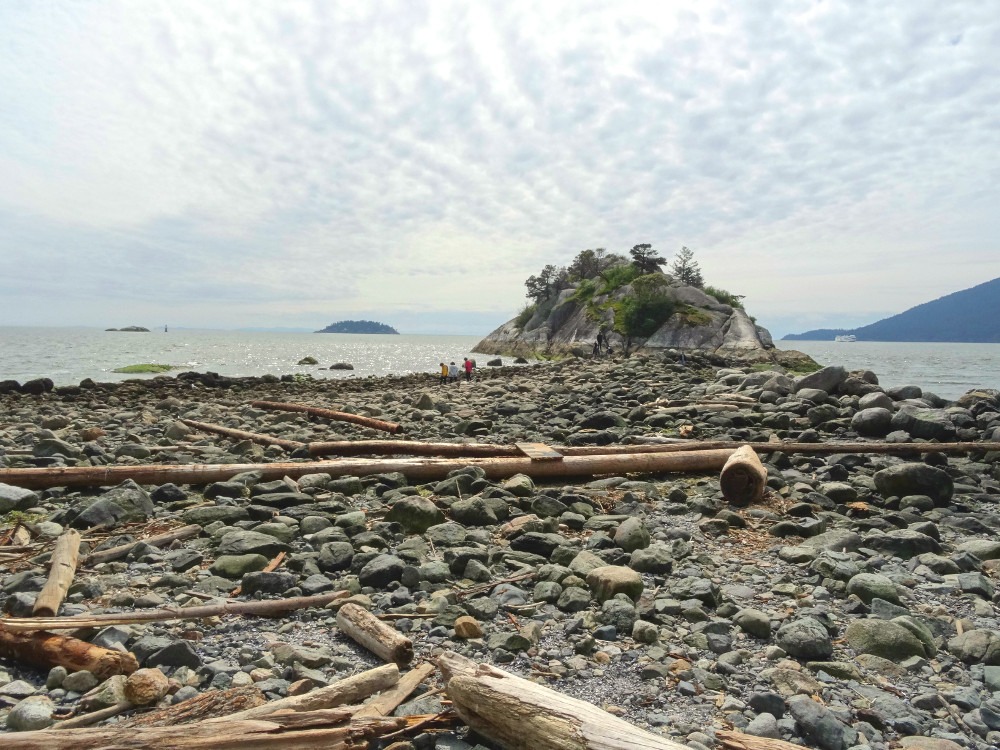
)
(565, 326)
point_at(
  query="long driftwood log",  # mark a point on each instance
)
(743, 478)
(344, 692)
(261, 608)
(61, 571)
(381, 639)
(523, 715)
(254, 437)
(578, 462)
(47, 650)
(424, 469)
(159, 540)
(740, 741)
(281, 732)
(490, 450)
(339, 416)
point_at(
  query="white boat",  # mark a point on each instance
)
(846, 338)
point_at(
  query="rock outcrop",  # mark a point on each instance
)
(565, 326)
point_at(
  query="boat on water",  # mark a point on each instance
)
(846, 338)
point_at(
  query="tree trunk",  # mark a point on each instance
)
(257, 608)
(339, 416)
(160, 540)
(743, 478)
(381, 639)
(47, 650)
(288, 445)
(424, 470)
(61, 572)
(352, 689)
(276, 733)
(523, 715)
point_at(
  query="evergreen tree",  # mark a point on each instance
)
(645, 259)
(685, 269)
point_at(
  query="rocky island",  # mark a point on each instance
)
(358, 326)
(636, 308)
(129, 329)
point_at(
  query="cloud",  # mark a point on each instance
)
(256, 163)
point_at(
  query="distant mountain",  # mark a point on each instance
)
(971, 316)
(358, 326)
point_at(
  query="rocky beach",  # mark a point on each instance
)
(853, 606)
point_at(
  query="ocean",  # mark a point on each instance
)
(68, 355)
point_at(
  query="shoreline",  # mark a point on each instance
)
(741, 616)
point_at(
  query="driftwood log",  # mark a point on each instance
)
(261, 608)
(159, 540)
(390, 700)
(743, 478)
(339, 416)
(253, 437)
(350, 690)
(523, 715)
(47, 650)
(740, 741)
(425, 469)
(488, 450)
(209, 705)
(578, 462)
(294, 731)
(61, 572)
(381, 639)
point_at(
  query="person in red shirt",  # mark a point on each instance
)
(468, 365)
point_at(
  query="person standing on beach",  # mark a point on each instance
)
(453, 373)
(468, 364)
(444, 373)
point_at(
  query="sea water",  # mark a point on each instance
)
(68, 355)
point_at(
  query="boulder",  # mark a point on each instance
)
(915, 479)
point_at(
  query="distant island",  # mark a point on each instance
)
(358, 326)
(129, 329)
(971, 316)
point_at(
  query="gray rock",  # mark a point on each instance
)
(655, 558)
(825, 379)
(929, 424)
(236, 566)
(887, 639)
(275, 582)
(607, 581)
(805, 638)
(818, 723)
(472, 511)
(868, 586)
(874, 422)
(31, 714)
(381, 571)
(335, 556)
(902, 543)
(984, 549)
(754, 622)
(178, 654)
(764, 725)
(16, 498)
(243, 542)
(415, 514)
(632, 535)
(125, 503)
(915, 479)
(80, 682)
(977, 645)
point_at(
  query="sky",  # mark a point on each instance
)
(234, 164)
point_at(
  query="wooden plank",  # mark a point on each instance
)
(539, 452)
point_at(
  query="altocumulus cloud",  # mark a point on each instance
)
(264, 163)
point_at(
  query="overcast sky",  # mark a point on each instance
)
(236, 164)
